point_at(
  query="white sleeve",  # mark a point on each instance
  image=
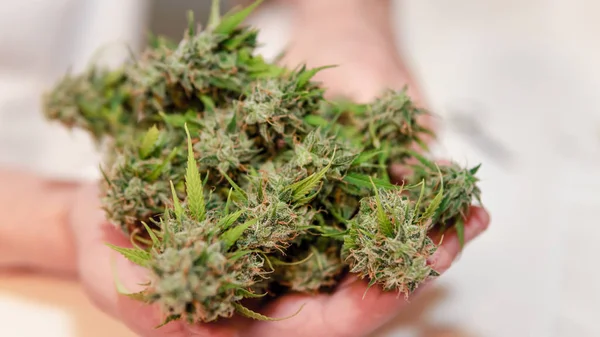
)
(41, 40)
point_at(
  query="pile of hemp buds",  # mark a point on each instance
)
(235, 178)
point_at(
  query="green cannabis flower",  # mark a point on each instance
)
(319, 266)
(236, 178)
(388, 243)
(460, 190)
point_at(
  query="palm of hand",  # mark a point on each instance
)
(344, 313)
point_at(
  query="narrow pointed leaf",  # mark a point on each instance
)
(421, 194)
(105, 176)
(231, 21)
(240, 253)
(235, 186)
(260, 317)
(232, 125)
(228, 202)
(159, 169)
(176, 204)
(191, 24)
(194, 186)
(460, 231)
(137, 256)
(215, 14)
(209, 104)
(316, 120)
(307, 75)
(232, 235)
(141, 296)
(385, 225)
(474, 170)
(301, 188)
(362, 180)
(278, 262)
(230, 219)
(153, 237)
(168, 320)
(247, 294)
(437, 200)
(366, 156)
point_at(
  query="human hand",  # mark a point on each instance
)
(345, 313)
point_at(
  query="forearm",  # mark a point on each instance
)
(34, 230)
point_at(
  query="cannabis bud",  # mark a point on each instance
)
(236, 178)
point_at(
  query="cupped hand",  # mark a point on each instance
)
(350, 311)
(368, 63)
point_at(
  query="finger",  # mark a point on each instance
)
(305, 323)
(90, 232)
(355, 310)
(377, 307)
(399, 172)
(478, 222)
(98, 264)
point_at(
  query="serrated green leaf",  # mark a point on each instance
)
(149, 142)
(230, 237)
(385, 225)
(176, 204)
(307, 75)
(195, 188)
(135, 255)
(231, 21)
(301, 188)
(260, 317)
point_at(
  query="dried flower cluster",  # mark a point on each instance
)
(235, 178)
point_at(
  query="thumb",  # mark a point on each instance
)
(107, 275)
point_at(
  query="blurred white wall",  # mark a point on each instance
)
(517, 84)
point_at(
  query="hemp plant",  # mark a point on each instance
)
(235, 178)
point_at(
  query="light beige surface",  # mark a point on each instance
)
(517, 84)
(62, 300)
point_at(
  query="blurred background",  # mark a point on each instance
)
(516, 83)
